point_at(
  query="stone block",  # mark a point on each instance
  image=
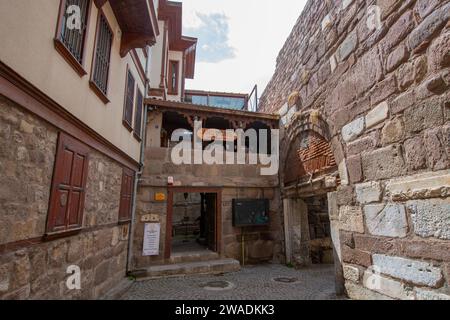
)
(351, 219)
(357, 257)
(420, 186)
(377, 115)
(396, 58)
(425, 249)
(347, 46)
(343, 173)
(351, 272)
(386, 286)
(383, 163)
(383, 90)
(354, 169)
(405, 75)
(423, 294)
(423, 33)
(393, 131)
(436, 145)
(363, 144)
(358, 292)
(398, 31)
(439, 56)
(431, 218)
(368, 192)
(425, 7)
(352, 130)
(376, 244)
(415, 153)
(414, 271)
(386, 220)
(403, 102)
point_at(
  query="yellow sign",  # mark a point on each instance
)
(160, 197)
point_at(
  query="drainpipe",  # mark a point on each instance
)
(138, 174)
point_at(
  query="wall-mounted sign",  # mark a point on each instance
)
(160, 196)
(152, 233)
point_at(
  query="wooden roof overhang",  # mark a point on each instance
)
(172, 13)
(238, 118)
(138, 22)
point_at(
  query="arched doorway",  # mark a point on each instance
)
(308, 181)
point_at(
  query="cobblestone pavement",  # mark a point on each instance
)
(251, 283)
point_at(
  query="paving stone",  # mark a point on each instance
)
(250, 283)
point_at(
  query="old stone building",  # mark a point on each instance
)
(371, 80)
(88, 176)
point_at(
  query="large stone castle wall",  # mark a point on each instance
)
(378, 72)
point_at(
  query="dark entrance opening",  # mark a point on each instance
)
(194, 222)
(193, 219)
(320, 244)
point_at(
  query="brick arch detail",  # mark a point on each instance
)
(310, 121)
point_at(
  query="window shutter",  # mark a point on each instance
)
(126, 196)
(129, 100)
(68, 186)
(138, 116)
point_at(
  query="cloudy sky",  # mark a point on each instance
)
(239, 40)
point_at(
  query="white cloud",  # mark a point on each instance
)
(257, 32)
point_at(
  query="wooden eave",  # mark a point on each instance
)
(138, 23)
(272, 120)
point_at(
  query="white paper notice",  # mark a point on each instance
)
(151, 239)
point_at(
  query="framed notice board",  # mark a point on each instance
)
(250, 212)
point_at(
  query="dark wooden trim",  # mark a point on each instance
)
(26, 95)
(169, 220)
(61, 48)
(92, 84)
(139, 67)
(98, 92)
(70, 59)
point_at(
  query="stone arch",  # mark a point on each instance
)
(309, 122)
(300, 243)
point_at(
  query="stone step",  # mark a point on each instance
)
(194, 256)
(188, 268)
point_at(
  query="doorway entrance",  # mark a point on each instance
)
(193, 221)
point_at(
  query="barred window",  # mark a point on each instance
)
(72, 31)
(138, 115)
(129, 101)
(102, 54)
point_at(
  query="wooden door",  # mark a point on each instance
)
(210, 217)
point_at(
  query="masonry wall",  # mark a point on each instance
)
(30, 267)
(383, 90)
(235, 181)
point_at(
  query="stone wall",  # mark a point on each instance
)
(234, 181)
(378, 72)
(37, 269)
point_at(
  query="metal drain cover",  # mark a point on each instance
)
(218, 285)
(285, 280)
